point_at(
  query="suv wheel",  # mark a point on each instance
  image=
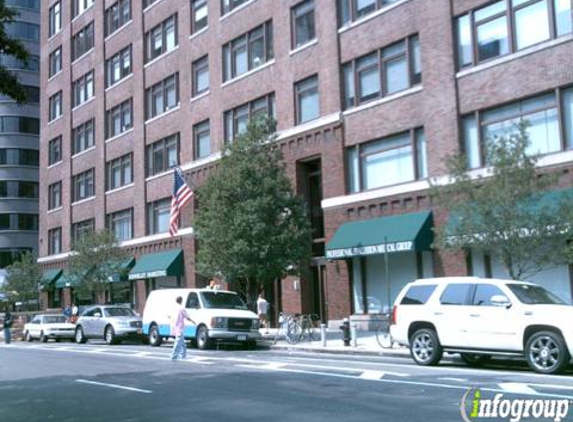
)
(109, 335)
(425, 347)
(475, 359)
(154, 336)
(546, 352)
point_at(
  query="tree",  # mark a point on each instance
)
(512, 213)
(23, 278)
(251, 228)
(9, 84)
(96, 259)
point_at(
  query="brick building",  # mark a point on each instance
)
(369, 96)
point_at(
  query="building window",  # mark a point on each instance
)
(162, 96)
(55, 241)
(543, 118)
(55, 105)
(498, 29)
(19, 157)
(12, 63)
(25, 31)
(353, 10)
(118, 66)
(19, 124)
(117, 15)
(83, 41)
(202, 140)
(83, 137)
(32, 94)
(19, 189)
(147, 3)
(161, 39)
(248, 51)
(118, 119)
(158, 214)
(55, 24)
(55, 150)
(388, 161)
(119, 172)
(237, 119)
(121, 224)
(80, 6)
(228, 5)
(383, 72)
(55, 195)
(200, 75)
(81, 229)
(25, 4)
(199, 15)
(162, 155)
(307, 100)
(303, 26)
(83, 88)
(55, 61)
(83, 185)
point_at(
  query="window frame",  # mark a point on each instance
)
(117, 12)
(200, 129)
(123, 164)
(83, 89)
(198, 66)
(55, 150)
(55, 195)
(195, 6)
(85, 5)
(121, 111)
(154, 210)
(161, 89)
(119, 216)
(84, 181)
(300, 91)
(83, 41)
(294, 18)
(55, 241)
(351, 7)
(82, 134)
(55, 62)
(81, 228)
(120, 58)
(236, 112)
(162, 146)
(163, 28)
(232, 5)
(55, 110)
(55, 19)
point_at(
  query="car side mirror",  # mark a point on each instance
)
(501, 301)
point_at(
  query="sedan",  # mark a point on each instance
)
(44, 327)
(111, 323)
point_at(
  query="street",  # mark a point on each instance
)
(94, 382)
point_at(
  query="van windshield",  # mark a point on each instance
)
(219, 300)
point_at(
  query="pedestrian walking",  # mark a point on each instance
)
(262, 309)
(8, 321)
(178, 330)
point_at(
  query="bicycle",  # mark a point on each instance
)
(304, 328)
(289, 326)
(383, 335)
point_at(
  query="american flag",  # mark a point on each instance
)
(181, 195)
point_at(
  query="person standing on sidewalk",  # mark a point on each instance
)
(8, 321)
(178, 330)
(262, 309)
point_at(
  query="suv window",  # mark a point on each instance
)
(484, 293)
(455, 294)
(534, 295)
(192, 301)
(418, 295)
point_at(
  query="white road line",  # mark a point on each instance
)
(454, 379)
(517, 387)
(121, 387)
(555, 386)
(371, 375)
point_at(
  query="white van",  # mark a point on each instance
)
(218, 315)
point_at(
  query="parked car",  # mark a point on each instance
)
(480, 318)
(112, 323)
(44, 327)
(218, 315)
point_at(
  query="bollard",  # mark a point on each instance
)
(353, 334)
(345, 327)
(323, 334)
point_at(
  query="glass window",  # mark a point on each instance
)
(24, 30)
(484, 293)
(465, 44)
(199, 15)
(118, 66)
(200, 75)
(55, 106)
(83, 137)
(121, 224)
(421, 154)
(228, 5)
(81, 229)
(568, 116)
(83, 88)
(55, 150)
(158, 215)
(55, 19)
(162, 155)
(83, 41)
(532, 25)
(418, 295)
(83, 185)
(563, 17)
(162, 96)
(303, 23)
(26, 4)
(162, 38)
(55, 195)
(455, 294)
(492, 39)
(352, 10)
(202, 136)
(237, 119)
(471, 141)
(55, 61)
(117, 15)
(118, 119)
(307, 100)
(119, 172)
(55, 241)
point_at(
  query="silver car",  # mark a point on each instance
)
(109, 322)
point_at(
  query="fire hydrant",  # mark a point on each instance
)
(345, 327)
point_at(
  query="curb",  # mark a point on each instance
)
(403, 353)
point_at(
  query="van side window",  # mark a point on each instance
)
(418, 295)
(455, 294)
(192, 301)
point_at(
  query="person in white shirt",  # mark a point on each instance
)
(262, 309)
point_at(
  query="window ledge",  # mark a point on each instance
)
(51, 166)
(383, 100)
(85, 151)
(78, 59)
(118, 30)
(119, 135)
(196, 34)
(83, 201)
(54, 257)
(128, 77)
(249, 73)
(371, 16)
(155, 237)
(83, 104)
(159, 175)
(517, 55)
(303, 47)
(311, 125)
(151, 6)
(236, 10)
(198, 97)
(124, 187)
(165, 113)
(81, 14)
(201, 162)
(160, 57)
(53, 210)
(57, 119)
(59, 72)
(52, 37)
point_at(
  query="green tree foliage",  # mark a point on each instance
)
(250, 226)
(512, 213)
(97, 258)
(23, 279)
(12, 47)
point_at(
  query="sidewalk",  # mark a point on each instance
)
(366, 344)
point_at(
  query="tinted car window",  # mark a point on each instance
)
(192, 301)
(455, 294)
(116, 312)
(534, 295)
(90, 312)
(418, 295)
(219, 300)
(484, 293)
(54, 319)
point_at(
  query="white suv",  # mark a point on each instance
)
(482, 317)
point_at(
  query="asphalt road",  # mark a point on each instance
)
(67, 382)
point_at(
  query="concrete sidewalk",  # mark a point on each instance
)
(365, 343)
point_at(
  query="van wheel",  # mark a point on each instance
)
(155, 339)
(425, 347)
(475, 359)
(203, 340)
(546, 352)
(43, 337)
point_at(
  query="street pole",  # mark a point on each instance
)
(387, 279)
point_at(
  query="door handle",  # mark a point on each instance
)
(474, 315)
(438, 313)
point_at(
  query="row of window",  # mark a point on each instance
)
(19, 189)
(19, 222)
(55, 13)
(20, 157)
(24, 31)
(32, 94)
(25, 4)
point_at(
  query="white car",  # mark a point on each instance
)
(479, 318)
(44, 327)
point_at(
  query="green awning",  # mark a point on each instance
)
(160, 264)
(396, 233)
(65, 281)
(49, 277)
(123, 271)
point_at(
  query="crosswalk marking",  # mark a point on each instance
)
(517, 387)
(371, 375)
